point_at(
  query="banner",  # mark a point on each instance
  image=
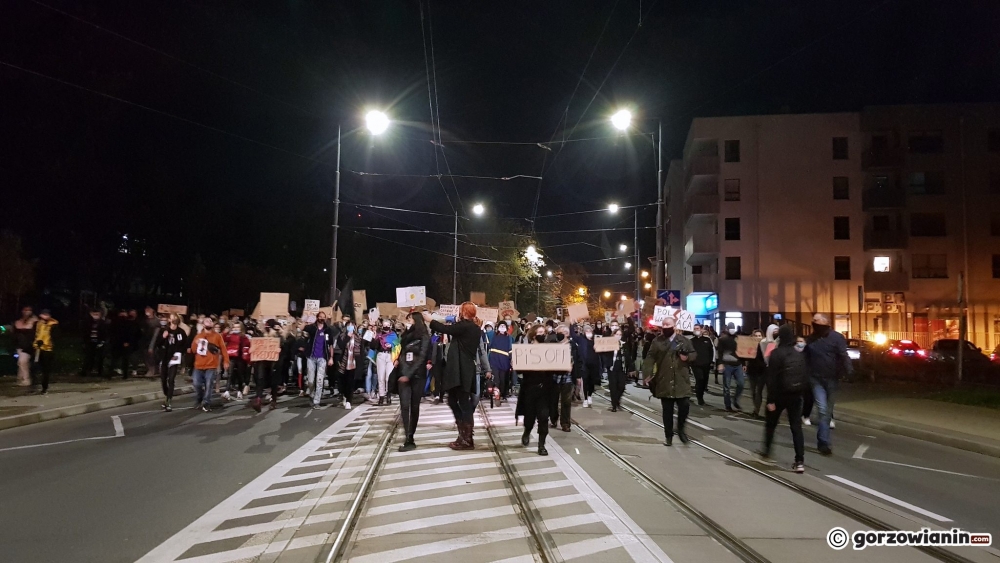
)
(265, 349)
(488, 315)
(577, 312)
(606, 343)
(169, 309)
(360, 304)
(685, 321)
(273, 305)
(746, 347)
(660, 314)
(449, 310)
(478, 297)
(309, 310)
(542, 357)
(507, 309)
(414, 296)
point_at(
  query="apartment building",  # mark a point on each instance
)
(872, 217)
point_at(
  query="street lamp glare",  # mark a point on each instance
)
(582, 291)
(628, 265)
(377, 122)
(623, 247)
(478, 209)
(607, 294)
(530, 249)
(649, 285)
(622, 119)
(645, 274)
(613, 208)
(549, 273)
(624, 297)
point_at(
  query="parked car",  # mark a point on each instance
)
(995, 355)
(905, 350)
(946, 350)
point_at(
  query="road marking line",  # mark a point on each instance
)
(888, 498)
(859, 454)
(434, 521)
(689, 420)
(860, 451)
(443, 546)
(116, 421)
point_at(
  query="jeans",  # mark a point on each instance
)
(383, 365)
(700, 382)
(728, 373)
(823, 390)
(793, 404)
(410, 394)
(204, 380)
(683, 406)
(560, 404)
(316, 378)
(371, 378)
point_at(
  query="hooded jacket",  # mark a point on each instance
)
(827, 356)
(785, 363)
(500, 349)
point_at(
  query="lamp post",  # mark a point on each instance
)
(478, 210)
(376, 122)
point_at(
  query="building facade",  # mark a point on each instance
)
(875, 218)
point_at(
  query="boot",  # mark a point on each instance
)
(388, 399)
(459, 442)
(526, 437)
(274, 404)
(541, 445)
(255, 404)
(381, 400)
(470, 429)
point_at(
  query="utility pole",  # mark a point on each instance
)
(635, 243)
(336, 225)
(454, 274)
(659, 266)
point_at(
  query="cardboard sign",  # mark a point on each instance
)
(414, 296)
(170, 309)
(507, 309)
(606, 343)
(607, 317)
(660, 314)
(389, 311)
(746, 347)
(542, 357)
(233, 313)
(449, 310)
(488, 315)
(309, 310)
(265, 349)
(685, 321)
(626, 308)
(273, 305)
(360, 304)
(478, 297)
(577, 311)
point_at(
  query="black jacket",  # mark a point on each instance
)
(417, 344)
(460, 368)
(176, 342)
(311, 332)
(785, 363)
(705, 350)
(727, 345)
(97, 332)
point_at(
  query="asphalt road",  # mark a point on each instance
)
(957, 485)
(114, 498)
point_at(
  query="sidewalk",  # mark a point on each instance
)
(70, 396)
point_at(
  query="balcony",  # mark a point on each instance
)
(882, 158)
(701, 165)
(883, 191)
(702, 204)
(895, 239)
(705, 282)
(898, 280)
(701, 248)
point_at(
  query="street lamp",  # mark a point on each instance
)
(581, 290)
(622, 119)
(376, 122)
(623, 247)
(477, 210)
(648, 285)
(628, 265)
(624, 297)
(613, 208)
(607, 294)
(645, 274)
(549, 273)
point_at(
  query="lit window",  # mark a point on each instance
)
(881, 264)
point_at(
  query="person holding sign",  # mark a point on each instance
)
(459, 377)
(351, 365)
(667, 372)
(616, 373)
(263, 370)
(533, 400)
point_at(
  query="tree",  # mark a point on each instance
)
(17, 273)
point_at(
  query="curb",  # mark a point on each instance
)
(891, 427)
(73, 410)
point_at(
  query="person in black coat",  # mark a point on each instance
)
(787, 380)
(95, 338)
(459, 377)
(534, 397)
(413, 355)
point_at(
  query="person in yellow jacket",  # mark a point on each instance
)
(43, 348)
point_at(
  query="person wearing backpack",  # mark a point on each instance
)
(787, 381)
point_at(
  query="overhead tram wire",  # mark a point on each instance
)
(439, 176)
(430, 104)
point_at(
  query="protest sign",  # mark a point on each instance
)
(542, 357)
(577, 312)
(273, 305)
(414, 296)
(264, 349)
(230, 312)
(660, 314)
(507, 309)
(746, 347)
(360, 304)
(607, 317)
(488, 315)
(626, 307)
(478, 297)
(685, 321)
(309, 310)
(373, 315)
(449, 310)
(606, 343)
(389, 310)
(169, 309)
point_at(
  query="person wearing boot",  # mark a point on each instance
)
(667, 372)
(415, 348)
(459, 377)
(536, 389)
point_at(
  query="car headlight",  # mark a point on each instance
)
(854, 354)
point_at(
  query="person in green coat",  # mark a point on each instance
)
(667, 372)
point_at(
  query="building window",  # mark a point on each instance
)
(930, 266)
(993, 140)
(841, 190)
(732, 186)
(732, 267)
(733, 151)
(928, 225)
(840, 148)
(696, 270)
(926, 142)
(927, 183)
(841, 267)
(841, 228)
(996, 266)
(880, 223)
(995, 225)
(732, 228)
(881, 264)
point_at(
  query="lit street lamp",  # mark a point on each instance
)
(645, 274)
(477, 210)
(377, 122)
(623, 247)
(607, 294)
(622, 119)
(628, 265)
(613, 208)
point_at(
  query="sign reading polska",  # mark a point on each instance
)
(542, 357)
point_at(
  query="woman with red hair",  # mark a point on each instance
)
(460, 373)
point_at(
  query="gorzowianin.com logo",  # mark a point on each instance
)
(839, 538)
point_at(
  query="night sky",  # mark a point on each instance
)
(209, 128)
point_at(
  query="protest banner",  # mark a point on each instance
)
(606, 343)
(685, 321)
(232, 313)
(746, 347)
(265, 349)
(449, 310)
(607, 317)
(488, 315)
(165, 309)
(478, 297)
(542, 357)
(507, 309)
(414, 296)
(661, 313)
(577, 312)
(373, 315)
(273, 305)
(309, 310)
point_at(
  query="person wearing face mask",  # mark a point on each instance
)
(488, 333)
(757, 367)
(209, 350)
(412, 375)
(500, 363)
(732, 369)
(593, 363)
(561, 395)
(264, 372)
(616, 374)
(387, 346)
(628, 338)
(534, 397)
(171, 341)
(667, 373)
(703, 362)
(238, 349)
(787, 380)
(320, 350)
(826, 356)
(351, 366)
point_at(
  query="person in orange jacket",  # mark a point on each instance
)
(208, 349)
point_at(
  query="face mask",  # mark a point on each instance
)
(235, 331)
(697, 333)
(539, 338)
(385, 329)
(560, 337)
(732, 331)
(350, 330)
(489, 330)
(668, 332)
(800, 346)
(590, 334)
(614, 328)
(548, 330)
(502, 330)
(320, 321)
(163, 323)
(821, 330)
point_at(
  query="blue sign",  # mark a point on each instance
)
(671, 296)
(702, 302)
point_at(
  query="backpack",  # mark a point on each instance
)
(794, 376)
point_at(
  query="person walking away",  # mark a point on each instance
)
(732, 369)
(666, 371)
(593, 362)
(265, 375)
(787, 380)
(757, 367)
(24, 342)
(96, 336)
(352, 362)
(208, 349)
(172, 342)
(535, 389)
(460, 371)
(826, 356)
(561, 395)
(703, 363)
(500, 362)
(43, 347)
(415, 346)
(320, 350)
(388, 351)
(616, 375)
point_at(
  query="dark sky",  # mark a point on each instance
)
(221, 141)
